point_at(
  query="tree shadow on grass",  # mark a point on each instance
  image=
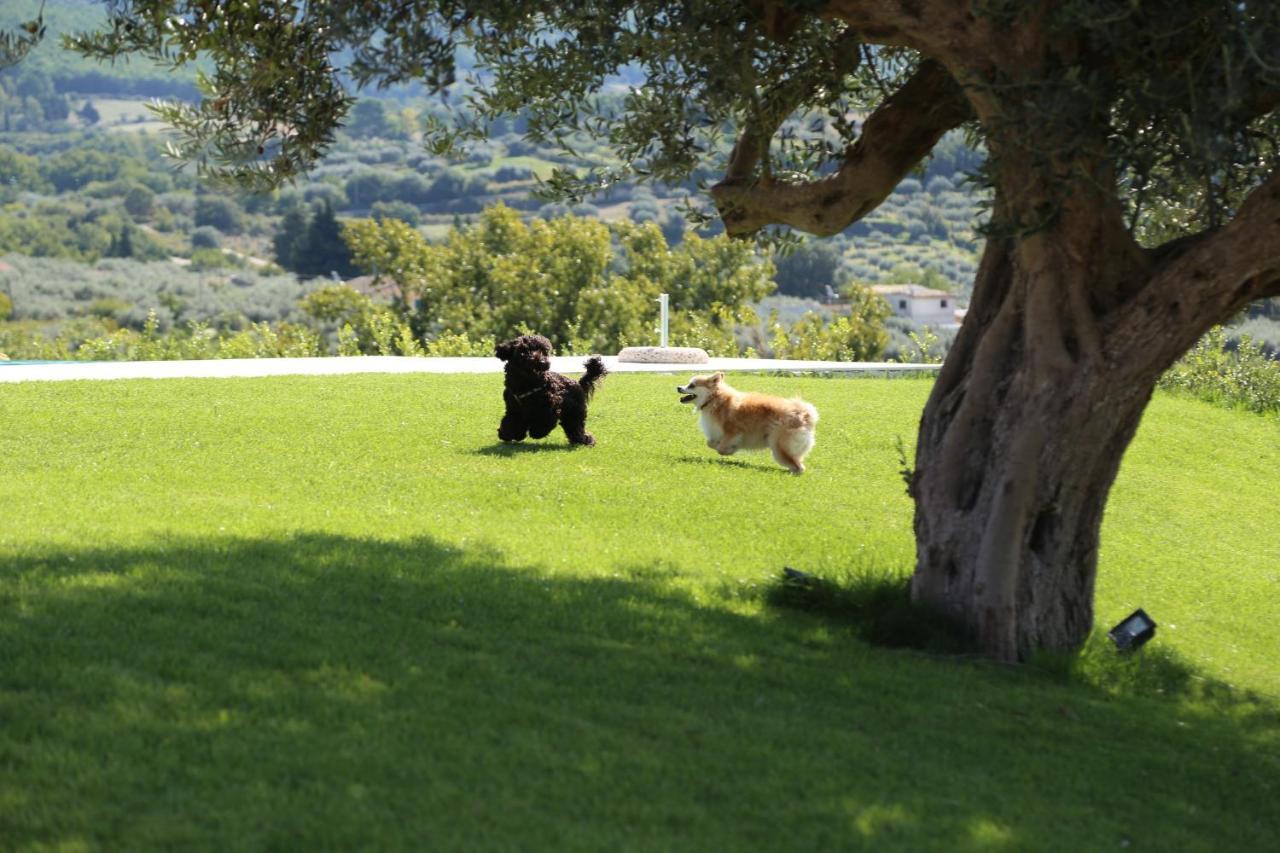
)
(877, 607)
(329, 691)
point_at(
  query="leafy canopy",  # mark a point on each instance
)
(1181, 95)
(277, 94)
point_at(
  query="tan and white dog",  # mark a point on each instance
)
(734, 420)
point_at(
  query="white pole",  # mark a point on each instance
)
(662, 302)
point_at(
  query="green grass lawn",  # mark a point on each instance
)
(313, 613)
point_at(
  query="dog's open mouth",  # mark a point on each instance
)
(688, 398)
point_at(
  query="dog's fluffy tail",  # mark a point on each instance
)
(595, 372)
(805, 414)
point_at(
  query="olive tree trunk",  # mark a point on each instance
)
(1069, 330)
(1015, 458)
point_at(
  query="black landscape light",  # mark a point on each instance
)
(796, 577)
(1135, 630)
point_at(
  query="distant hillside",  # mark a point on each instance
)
(70, 73)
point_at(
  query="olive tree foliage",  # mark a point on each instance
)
(1132, 149)
(15, 45)
(275, 96)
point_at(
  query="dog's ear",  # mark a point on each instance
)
(503, 350)
(717, 378)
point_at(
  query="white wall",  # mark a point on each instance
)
(935, 311)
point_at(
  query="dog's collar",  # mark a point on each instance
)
(528, 393)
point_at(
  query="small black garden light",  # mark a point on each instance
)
(795, 577)
(1135, 630)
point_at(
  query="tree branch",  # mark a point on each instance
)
(1204, 280)
(772, 109)
(893, 140)
(14, 46)
(925, 25)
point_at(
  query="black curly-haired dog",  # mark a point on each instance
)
(537, 397)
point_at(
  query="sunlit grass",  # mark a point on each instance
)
(334, 612)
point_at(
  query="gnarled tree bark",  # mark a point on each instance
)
(892, 141)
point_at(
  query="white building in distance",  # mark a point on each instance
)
(921, 304)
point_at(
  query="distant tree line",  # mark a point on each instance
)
(310, 243)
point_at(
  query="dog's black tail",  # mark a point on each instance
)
(595, 372)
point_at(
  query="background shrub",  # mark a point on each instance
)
(809, 270)
(206, 237)
(401, 210)
(1245, 377)
(219, 212)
